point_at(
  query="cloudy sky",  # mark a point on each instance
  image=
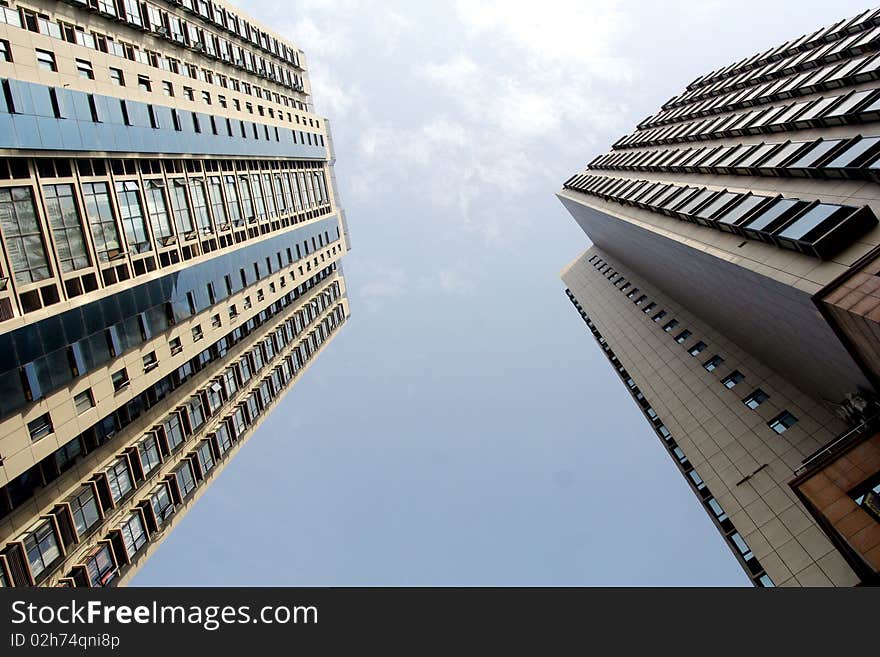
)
(464, 428)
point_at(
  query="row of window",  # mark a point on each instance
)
(785, 52)
(163, 220)
(22, 487)
(710, 503)
(139, 467)
(854, 158)
(811, 227)
(779, 424)
(80, 106)
(152, 213)
(59, 367)
(827, 111)
(856, 71)
(167, 25)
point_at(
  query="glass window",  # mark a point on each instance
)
(134, 535)
(162, 504)
(174, 431)
(205, 456)
(180, 206)
(83, 401)
(782, 422)
(24, 243)
(185, 480)
(755, 399)
(200, 205)
(117, 77)
(99, 214)
(85, 70)
(119, 479)
(218, 207)
(232, 196)
(671, 324)
(713, 363)
(84, 508)
(41, 547)
(100, 567)
(46, 60)
(148, 450)
(157, 208)
(733, 378)
(132, 216)
(40, 427)
(697, 348)
(66, 225)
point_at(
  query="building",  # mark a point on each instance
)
(733, 284)
(171, 245)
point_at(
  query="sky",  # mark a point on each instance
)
(464, 429)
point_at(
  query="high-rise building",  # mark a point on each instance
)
(171, 240)
(733, 284)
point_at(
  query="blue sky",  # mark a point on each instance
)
(464, 428)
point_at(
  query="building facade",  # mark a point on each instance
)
(734, 284)
(171, 245)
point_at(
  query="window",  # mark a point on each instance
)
(150, 361)
(84, 401)
(205, 456)
(41, 427)
(133, 222)
(649, 307)
(24, 242)
(755, 399)
(41, 547)
(85, 70)
(163, 505)
(733, 378)
(180, 206)
(638, 301)
(100, 566)
(659, 316)
(84, 508)
(133, 534)
(64, 219)
(782, 422)
(167, 88)
(197, 333)
(157, 209)
(46, 60)
(119, 479)
(697, 348)
(671, 324)
(175, 345)
(174, 433)
(117, 77)
(5, 51)
(185, 480)
(148, 451)
(144, 83)
(713, 363)
(99, 214)
(120, 379)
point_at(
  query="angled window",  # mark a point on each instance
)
(755, 399)
(733, 378)
(782, 422)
